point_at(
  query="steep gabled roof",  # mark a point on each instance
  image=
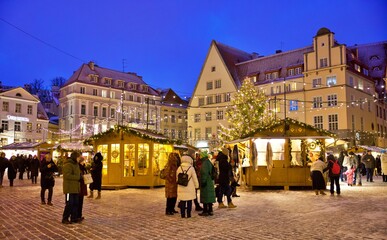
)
(232, 56)
(170, 97)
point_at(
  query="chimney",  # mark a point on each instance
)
(255, 55)
(91, 65)
(278, 51)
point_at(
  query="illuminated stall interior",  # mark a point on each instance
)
(281, 155)
(132, 157)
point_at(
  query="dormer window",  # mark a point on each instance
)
(298, 71)
(357, 67)
(365, 71)
(144, 88)
(108, 81)
(18, 95)
(120, 84)
(374, 57)
(93, 78)
(291, 72)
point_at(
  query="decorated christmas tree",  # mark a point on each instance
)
(248, 111)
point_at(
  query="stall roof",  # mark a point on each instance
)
(74, 146)
(22, 145)
(290, 128)
(373, 148)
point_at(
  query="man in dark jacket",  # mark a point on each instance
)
(369, 162)
(47, 181)
(224, 179)
(71, 188)
(3, 166)
(96, 174)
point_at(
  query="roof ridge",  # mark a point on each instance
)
(368, 44)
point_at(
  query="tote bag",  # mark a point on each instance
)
(87, 179)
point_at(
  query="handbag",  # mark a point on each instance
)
(87, 179)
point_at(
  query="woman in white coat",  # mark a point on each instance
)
(187, 193)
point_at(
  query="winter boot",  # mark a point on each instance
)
(99, 195)
(221, 205)
(91, 194)
(231, 205)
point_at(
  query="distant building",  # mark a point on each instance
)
(327, 85)
(173, 113)
(23, 118)
(95, 99)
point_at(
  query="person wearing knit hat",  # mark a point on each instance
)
(207, 190)
(187, 193)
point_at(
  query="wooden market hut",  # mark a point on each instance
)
(132, 157)
(280, 155)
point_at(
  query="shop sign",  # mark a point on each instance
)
(15, 118)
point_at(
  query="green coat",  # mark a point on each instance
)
(71, 176)
(207, 189)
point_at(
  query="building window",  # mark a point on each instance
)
(95, 92)
(166, 118)
(219, 114)
(201, 101)
(267, 76)
(209, 85)
(29, 127)
(331, 81)
(293, 105)
(38, 128)
(95, 111)
(351, 82)
(318, 122)
(173, 119)
(332, 100)
(18, 108)
(138, 99)
(108, 81)
(5, 106)
(197, 117)
(323, 62)
(365, 71)
(208, 133)
(333, 122)
(83, 109)
(104, 111)
(121, 84)
(179, 134)
(29, 109)
(317, 102)
(291, 72)
(83, 90)
(227, 97)
(112, 112)
(4, 125)
(360, 84)
(112, 95)
(213, 69)
(316, 83)
(361, 124)
(197, 133)
(104, 93)
(17, 127)
(218, 98)
(274, 75)
(208, 116)
(131, 98)
(210, 100)
(218, 83)
(298, 71)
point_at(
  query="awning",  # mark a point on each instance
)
(22, 145)
(75, 146)
(373, 148)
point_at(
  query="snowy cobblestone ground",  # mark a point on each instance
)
(359, 213)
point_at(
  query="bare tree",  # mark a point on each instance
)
(58, 81)
(36, 85)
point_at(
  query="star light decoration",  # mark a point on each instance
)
(248, 111)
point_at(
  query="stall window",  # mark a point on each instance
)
(296, 153)
(115, 153)
(160, 156)
(143, 159)
(277, 147)
(130, 156)
(103, 149)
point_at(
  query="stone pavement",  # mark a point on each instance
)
(359, 213)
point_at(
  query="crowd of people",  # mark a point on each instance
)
(74, 187)
(211, 174)
(351, 169)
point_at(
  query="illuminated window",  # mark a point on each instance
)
(143, 159)
(29, 127)
(227, 97)
(38, 128)
(104, 93)
(115, 153)
(293, 105)
(129, 160)
(103, 149)
(331, 81)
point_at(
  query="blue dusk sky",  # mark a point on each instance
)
(166, 42)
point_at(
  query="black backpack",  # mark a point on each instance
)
(182, 178)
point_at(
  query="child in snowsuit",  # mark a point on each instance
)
(350, 172)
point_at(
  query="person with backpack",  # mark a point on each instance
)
(187, 184)
(334, 173)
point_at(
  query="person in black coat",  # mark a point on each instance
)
(12, 170)
(96, 174)
(3, 166)
(224, 179)
(21, 164)
(47, 181)
(34, 167)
